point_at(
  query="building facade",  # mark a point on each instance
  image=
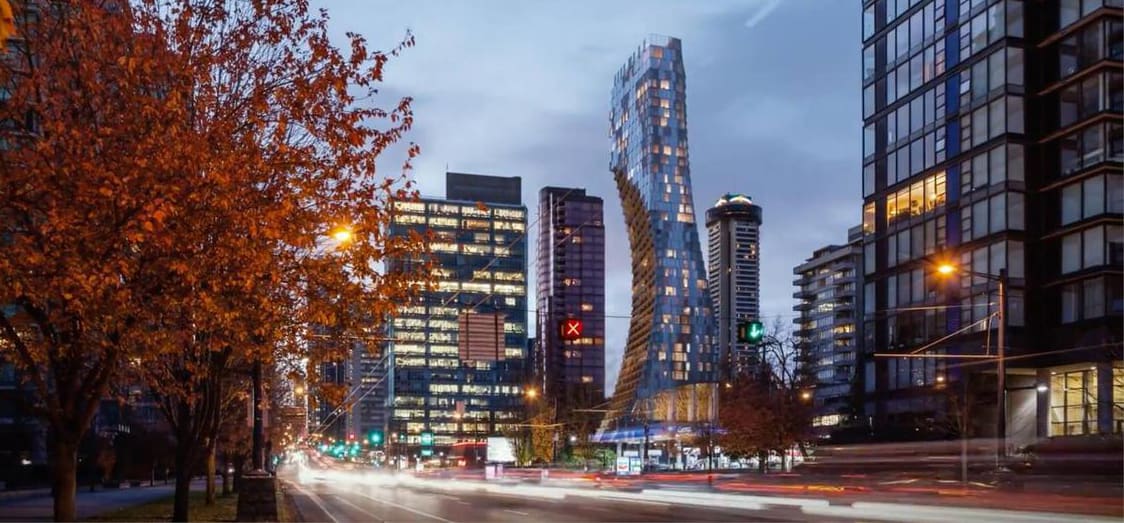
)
(669, 363)
(570, 273)
(733, 229)
(459, 352)
(992, 142)
(826, 297)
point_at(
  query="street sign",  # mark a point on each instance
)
(426, 452)
(571, 329)
(427, 439)
(623, 466)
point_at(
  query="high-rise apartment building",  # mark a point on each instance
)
(993, 141)
(570, 274)
(669, 363)
(826, 286)
(733, 229)
(459, 352)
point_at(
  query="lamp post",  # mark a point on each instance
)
(1001, 360)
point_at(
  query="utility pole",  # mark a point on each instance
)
(1001, 386)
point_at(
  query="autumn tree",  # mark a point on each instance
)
(172, 173)
(771, 409)
(86, 176)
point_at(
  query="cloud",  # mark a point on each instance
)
(767, 7)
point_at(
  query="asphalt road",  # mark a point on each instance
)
(338, 496)
(337, 502)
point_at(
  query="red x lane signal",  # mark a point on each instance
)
(571, 329)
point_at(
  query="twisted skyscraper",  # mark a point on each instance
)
(669, 364)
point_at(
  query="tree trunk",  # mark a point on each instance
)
(210, 463)
(65, 481)
(184, 466)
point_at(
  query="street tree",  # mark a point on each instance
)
(87, 180)
(172, 169)
(769, 410)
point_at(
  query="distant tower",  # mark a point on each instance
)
(733, 230)
(570, 272)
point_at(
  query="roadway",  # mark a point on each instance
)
(339, 502)
(336, 495)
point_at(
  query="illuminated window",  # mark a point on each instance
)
(409, 218)
(665, 84)
(444, 286)
(511, 214)
(472, 210)
(508, 276)
(477, 249)
(917, 199)
(1073, 403)
(508, 289)
(440, 222)
(410, 206)
(669, 291)
(476, 287)
(587, 307)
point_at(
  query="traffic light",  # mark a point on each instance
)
(571, 329)
(375, 437)
(750, 332)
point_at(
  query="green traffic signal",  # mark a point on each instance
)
(750, 332)
(375, 437)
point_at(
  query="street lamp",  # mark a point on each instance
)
(1001, 363)
(342, 234)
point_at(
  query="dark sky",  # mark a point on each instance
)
(521, 88)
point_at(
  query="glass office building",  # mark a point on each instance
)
(459, 352)
(669, 363)
(992, 141)
(570, 273)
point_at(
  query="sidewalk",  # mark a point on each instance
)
(40, 507)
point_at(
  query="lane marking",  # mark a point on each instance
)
(357, 507)
(516, 512)
(316, 500)
(403, 507)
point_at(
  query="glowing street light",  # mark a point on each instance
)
(342, 234)
(532, 393)
(1001, 387)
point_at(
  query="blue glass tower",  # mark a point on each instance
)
(669, 363)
